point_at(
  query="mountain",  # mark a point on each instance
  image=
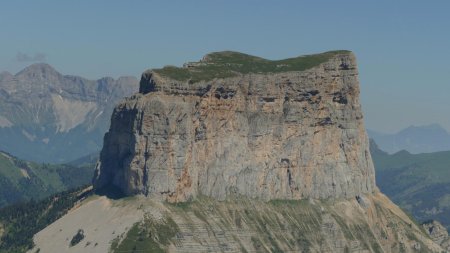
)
(22, 180)
(419, 183)
(182, 137)
(49, 117)
(414, 139)
(236, 153)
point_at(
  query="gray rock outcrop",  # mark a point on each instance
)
(438, 233)
(269, 134)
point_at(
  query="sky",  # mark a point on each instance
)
(402, 47)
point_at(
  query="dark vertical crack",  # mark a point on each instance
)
(290, 178)
(141, 120)
(145, 176)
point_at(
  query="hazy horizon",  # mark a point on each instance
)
(401, 47)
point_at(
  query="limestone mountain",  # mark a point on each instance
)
(236, 153)
(49, 117)
(292, 134)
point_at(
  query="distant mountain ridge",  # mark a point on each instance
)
(419, 183)
(46, 116)
(414, 139)
(22, 180)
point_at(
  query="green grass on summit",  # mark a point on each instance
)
(228, 64)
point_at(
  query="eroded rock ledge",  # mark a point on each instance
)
(285, 132)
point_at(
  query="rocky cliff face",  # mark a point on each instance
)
(49, 117)
(235, 124)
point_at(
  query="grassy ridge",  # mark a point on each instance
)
(22, 181)
(227, 64)
(147, 236)
(240, 224)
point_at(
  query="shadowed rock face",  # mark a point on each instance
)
(283, 135)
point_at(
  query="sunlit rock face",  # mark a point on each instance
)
(270, 135)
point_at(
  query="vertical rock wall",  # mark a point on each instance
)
(288, 135)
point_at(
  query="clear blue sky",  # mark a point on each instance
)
(403, 47)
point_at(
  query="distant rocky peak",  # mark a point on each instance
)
(39, 71)
(47, 116)
(435, 128)
(414, 139)
(127, 79)
(106, 79)
(5, 75)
